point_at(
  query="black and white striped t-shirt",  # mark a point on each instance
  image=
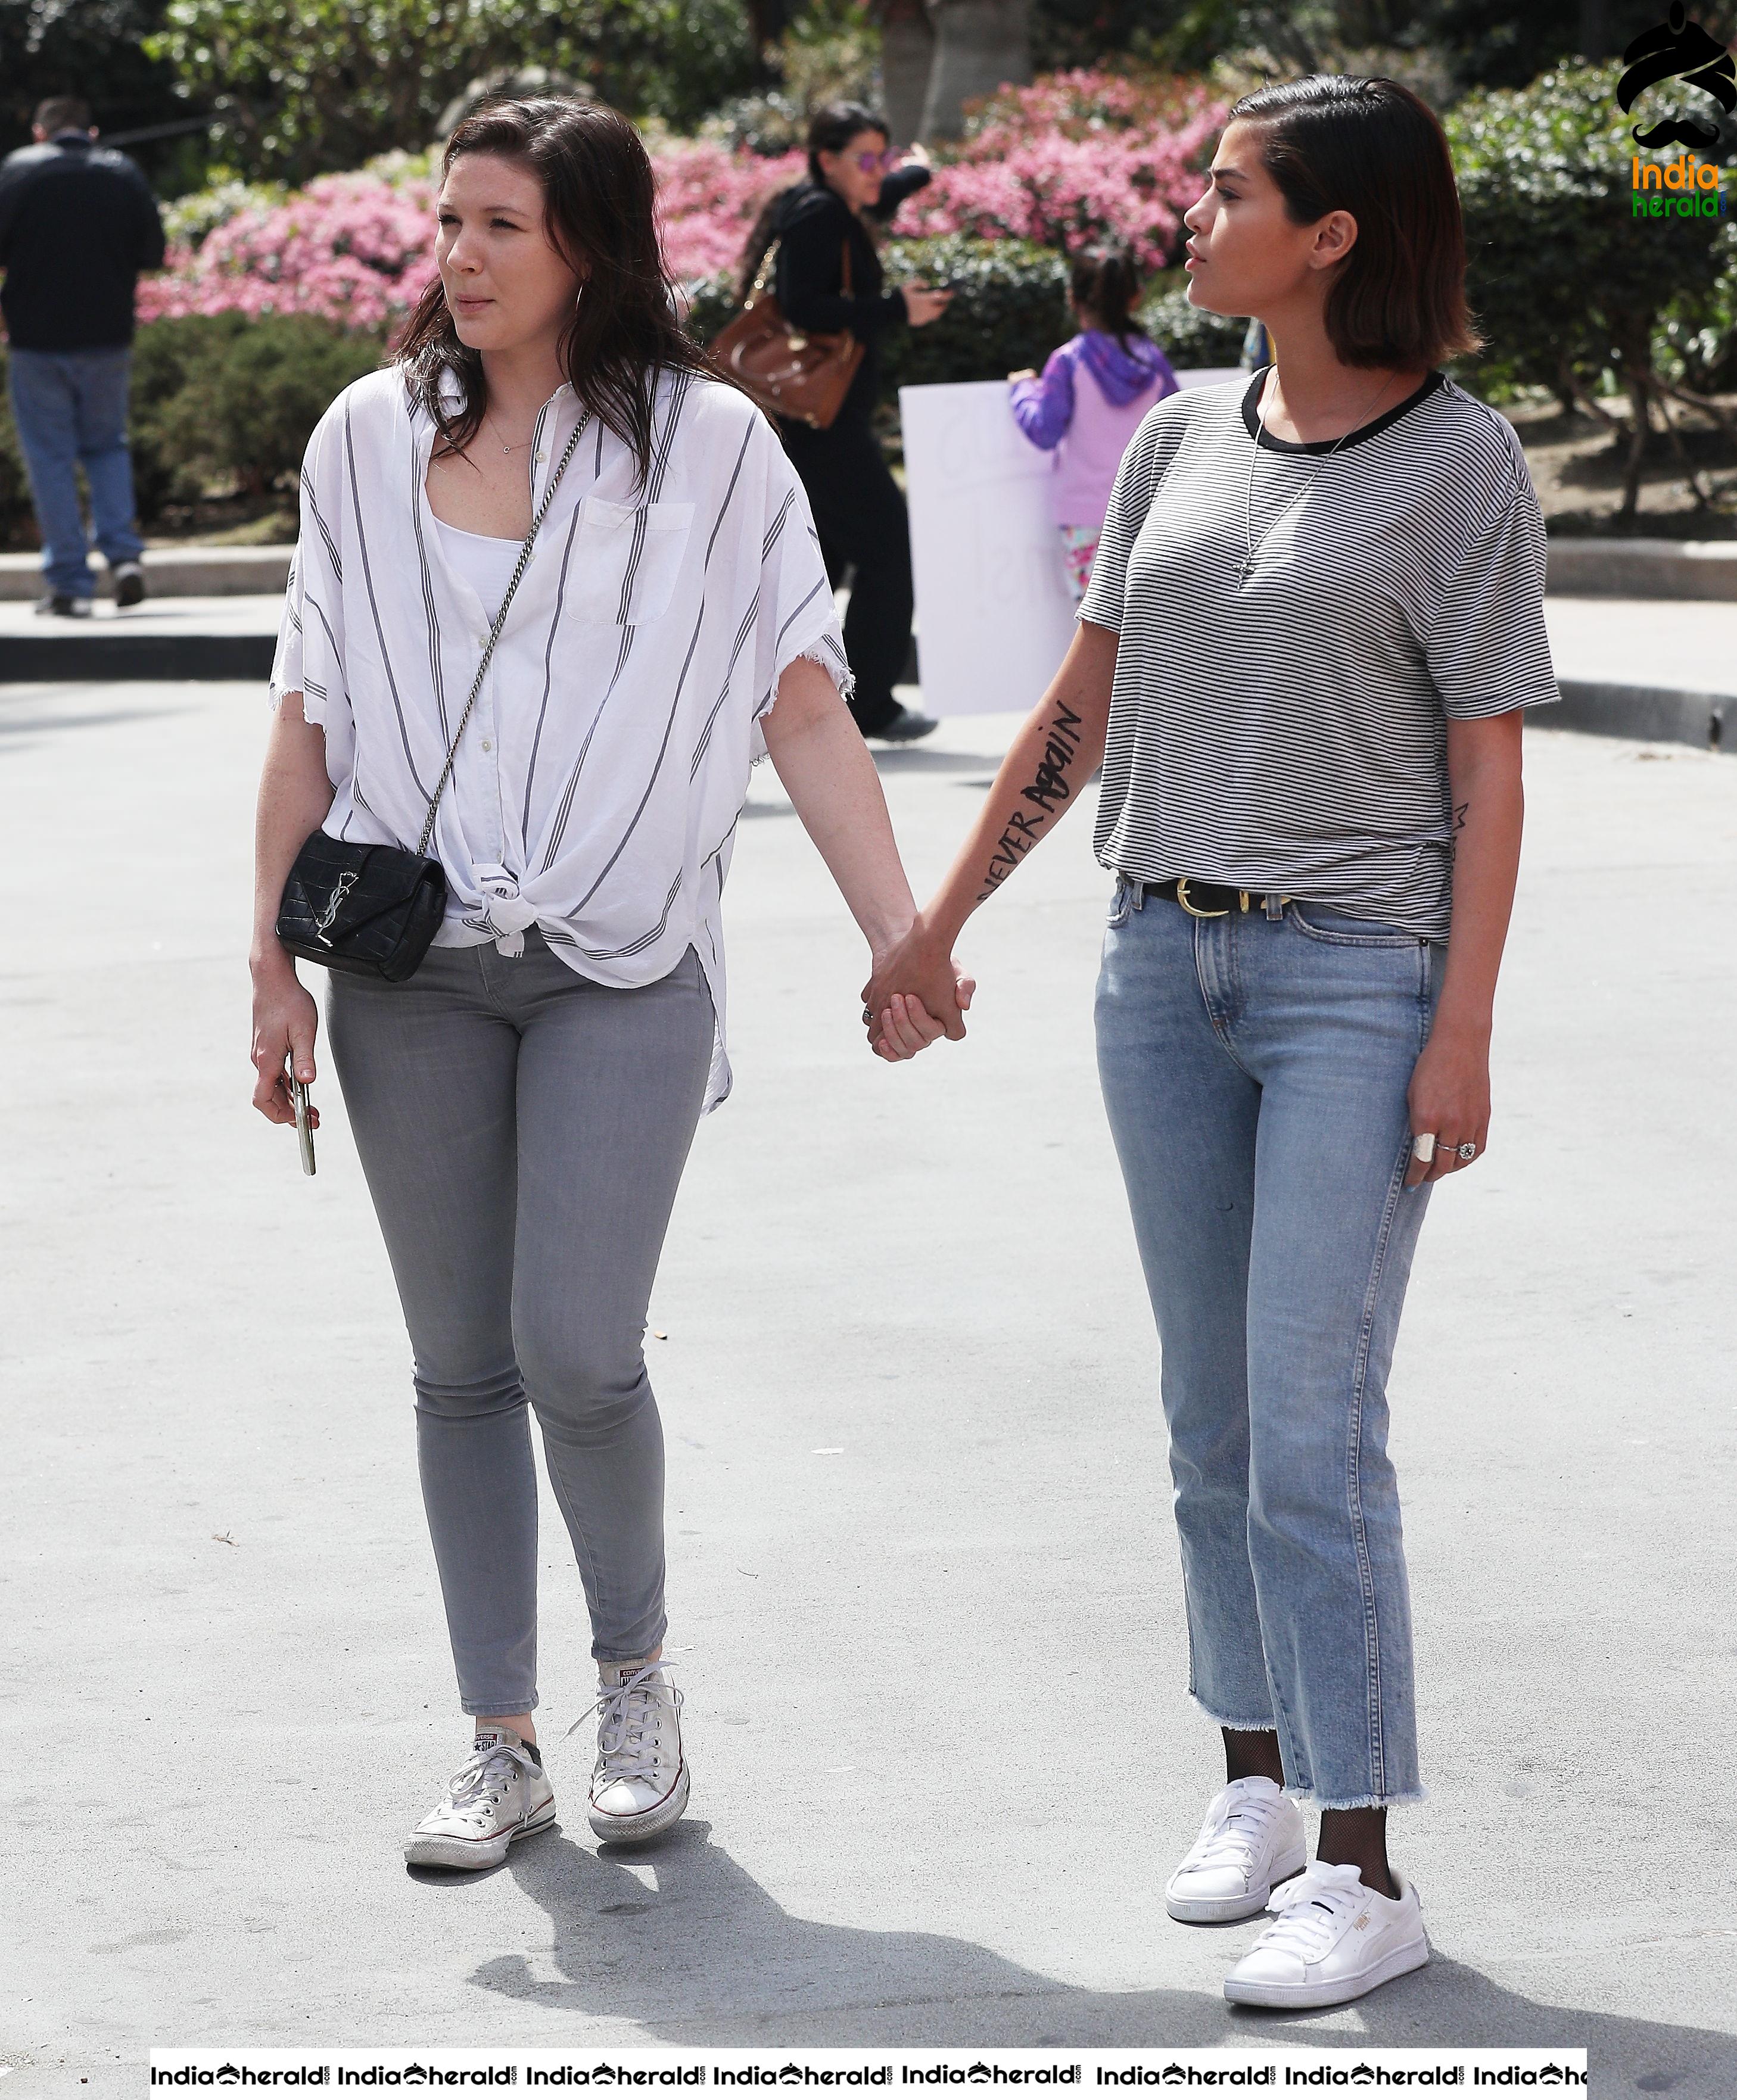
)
(1287, 729)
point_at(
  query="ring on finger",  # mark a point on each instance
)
(1423, 1146)
(1469, 1150)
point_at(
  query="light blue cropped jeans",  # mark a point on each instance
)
(1255, 1069)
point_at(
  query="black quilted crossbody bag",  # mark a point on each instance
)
(372, 911)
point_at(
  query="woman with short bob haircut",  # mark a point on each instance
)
(1313, 621)
(524, 1104)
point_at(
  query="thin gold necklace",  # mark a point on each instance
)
(1250, 544)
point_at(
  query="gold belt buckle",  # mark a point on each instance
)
(1182, 882)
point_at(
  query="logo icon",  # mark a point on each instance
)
(1677, 49)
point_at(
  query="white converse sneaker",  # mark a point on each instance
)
(500, 1792)
(639, 1786)
(1252, 1839)
(1330, 1939)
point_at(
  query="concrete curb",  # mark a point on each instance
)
(95, 652)
(1650, 714)
(1578, 568)
(85, 658)
(83, 655)
(173, 572)
(1643, 568)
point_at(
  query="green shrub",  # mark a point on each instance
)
(1009, 310)
(249, 394)
(219, 402)
(17, 523)
(1566, 284)
(711, 305)
(170, 360)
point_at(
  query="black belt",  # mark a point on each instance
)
(1207, 900)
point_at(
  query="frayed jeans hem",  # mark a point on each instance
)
(1307, 1795)
(1266, 1727)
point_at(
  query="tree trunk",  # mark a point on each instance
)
(907, 55)
(767, 21)
(980, 45)
(1640, 401)
(1594, 40)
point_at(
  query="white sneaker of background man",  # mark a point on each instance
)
(1252, 1839)
(500, 1792)
(639, 1783)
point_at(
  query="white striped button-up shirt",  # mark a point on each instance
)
(598, 784)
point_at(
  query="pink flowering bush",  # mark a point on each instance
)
(355, 249)
(358, 249)
(1075, 158)
(709, 198)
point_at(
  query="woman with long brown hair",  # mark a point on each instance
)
(524, 1104)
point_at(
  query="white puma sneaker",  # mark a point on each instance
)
(1331, 1940)
(500, 1792)
(1252, 1839)
(639, 1786)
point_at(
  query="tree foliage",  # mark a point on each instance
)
(1566, 282)
(95, 48)
(326, 84)
(1567, 285)
(1479, 43)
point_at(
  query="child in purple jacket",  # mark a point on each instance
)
(1093, 396)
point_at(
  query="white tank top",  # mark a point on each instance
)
(486, 563)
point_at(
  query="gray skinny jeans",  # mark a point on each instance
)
(523, 1130)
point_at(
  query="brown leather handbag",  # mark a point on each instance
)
(804, 377)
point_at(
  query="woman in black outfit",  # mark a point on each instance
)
(859, 510)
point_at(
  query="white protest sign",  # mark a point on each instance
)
(994, 617)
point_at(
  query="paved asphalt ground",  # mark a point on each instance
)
(923, 1579)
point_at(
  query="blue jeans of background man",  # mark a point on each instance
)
(1255, 1070)
(70, 408)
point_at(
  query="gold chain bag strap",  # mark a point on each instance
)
(372, 910)
(804, 377)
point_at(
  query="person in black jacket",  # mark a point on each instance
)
(859, 510)
(78, 223)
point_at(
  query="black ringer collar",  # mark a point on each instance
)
(1258, 430)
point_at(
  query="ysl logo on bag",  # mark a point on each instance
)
(340, 890)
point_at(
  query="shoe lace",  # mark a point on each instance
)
(1232, 1839)
(485, 1775)
(1309, 1910)
(631, 1723)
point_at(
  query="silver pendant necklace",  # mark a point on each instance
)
(507, 449)
(1251, 545)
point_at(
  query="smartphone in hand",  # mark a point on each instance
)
(304, 1129)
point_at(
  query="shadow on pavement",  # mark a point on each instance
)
(707, 1956)
(41, 725)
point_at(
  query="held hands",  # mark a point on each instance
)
(916, 994)
(1449, 1098)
